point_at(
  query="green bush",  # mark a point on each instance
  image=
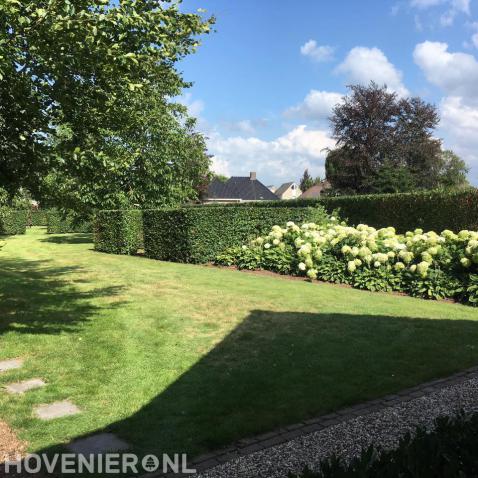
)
(450, 450)
(60, 223)
(12, 221)
(37, 217)
(198, 234)
(119, 232)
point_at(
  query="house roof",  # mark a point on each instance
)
(283, 188)
(315, 191)
(239, 187)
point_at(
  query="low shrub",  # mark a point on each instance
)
(427, 265)
(13, 221)
(61, 223)
(119, 232)
(450, 449)
(198, 234)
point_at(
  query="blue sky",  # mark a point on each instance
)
(266, 80)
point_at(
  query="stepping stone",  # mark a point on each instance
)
(22, 387)
(96, 444)
(10, 364)
(56, 410)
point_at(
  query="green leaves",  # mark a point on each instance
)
(104, 73)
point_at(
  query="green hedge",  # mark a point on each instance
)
(431, 210)
(37, 217)
(59, 223)
(198, 234)
(12, 221)
(119, 232)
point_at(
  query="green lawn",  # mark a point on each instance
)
(181, 358)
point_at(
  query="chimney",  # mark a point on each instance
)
(252, 176)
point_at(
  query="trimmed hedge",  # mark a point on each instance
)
(429, 210)
(119, 232)
(58, 223)
(198, 234)
(12, 221)
(38, 217)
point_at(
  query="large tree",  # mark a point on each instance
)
(86, 112)
(385, 144)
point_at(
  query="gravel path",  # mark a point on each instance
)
(384, 427)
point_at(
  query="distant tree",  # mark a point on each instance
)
(342, 170)
(391, 179)
(453, 171)
(220, 177)
(306, 181)
(385, 143)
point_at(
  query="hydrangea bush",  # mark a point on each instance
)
(422, 264)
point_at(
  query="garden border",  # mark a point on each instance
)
(264, 441)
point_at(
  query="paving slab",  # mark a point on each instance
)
(10, 364)
(56, 410)
(96, 444)
(22, 387)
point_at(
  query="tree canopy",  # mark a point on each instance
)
(307, 181)
(386, 144)
(86, 111)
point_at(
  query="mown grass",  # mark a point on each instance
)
(182, 358)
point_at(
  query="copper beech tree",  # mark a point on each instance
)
(385, 143)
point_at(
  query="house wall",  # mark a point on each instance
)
(292, 192)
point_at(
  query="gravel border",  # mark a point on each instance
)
(347, 432)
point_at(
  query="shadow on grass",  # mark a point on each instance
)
(76, 238)
(277, 369)
(38, 299)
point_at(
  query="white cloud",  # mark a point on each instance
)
(275, 161)
(462, 6)
(455, 73)
(474, 39)
(363, 65)
(195, 107)
(317, 105)
(454, 8)
(426, 3)
(418, 23)
(460, 128)
(319, 53)
(246, 126)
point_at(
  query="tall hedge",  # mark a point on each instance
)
(429, 210)
(37, 217)
(13, 221)
(59, 223)
(198, 234)
(119, 232)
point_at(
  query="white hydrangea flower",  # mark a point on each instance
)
(399, 266)
(312, 274)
